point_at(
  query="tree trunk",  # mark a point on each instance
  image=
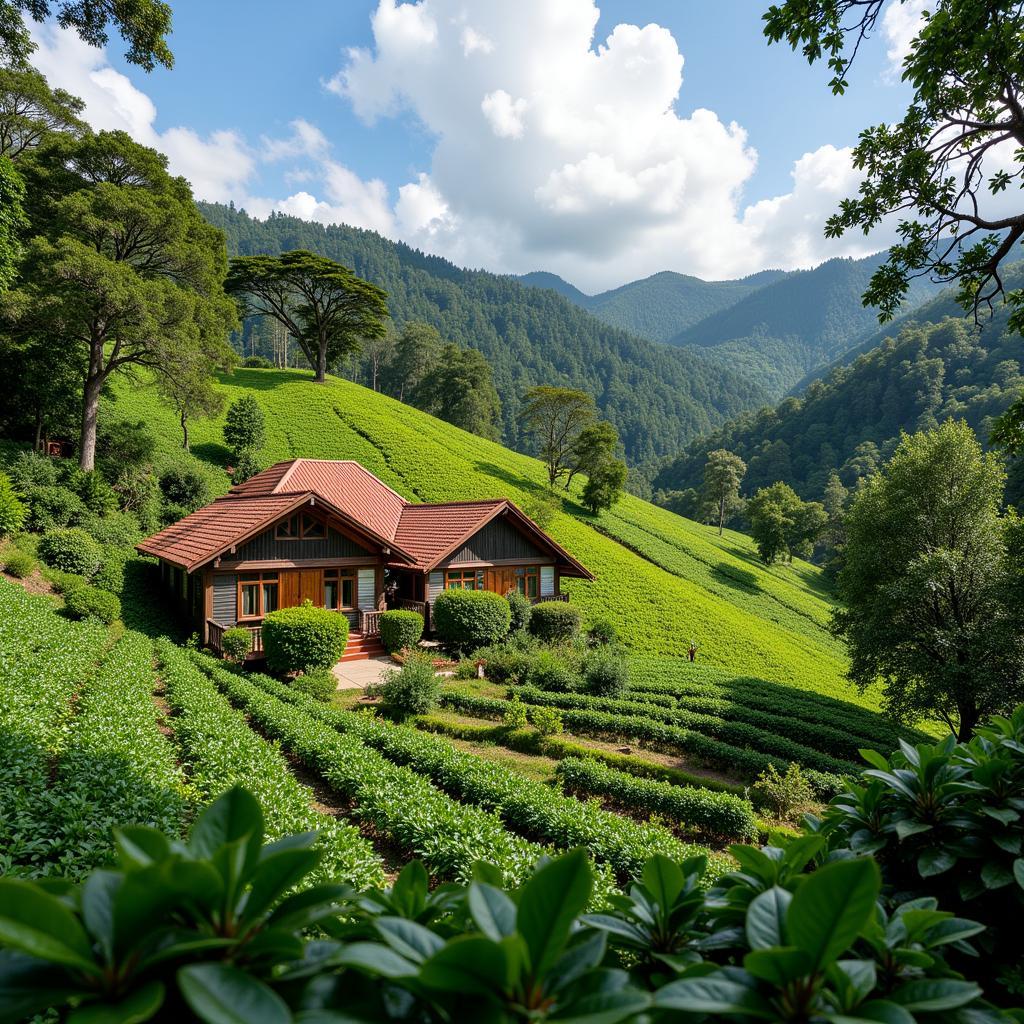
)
(184, 430)
(721, 515)
(90, 413)
(968, 722)
(39, 427)
(321, 364)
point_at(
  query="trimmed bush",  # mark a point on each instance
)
(551, 672)
(400, 629)
(71, 550)
(184, 486)
(247, 464)
(236, 642)
(257, 363)
(411, 690)
(601, 633)
(515, 714)
(505, 664)
(321, 684)
(467, 619)
(547, 721)
(110, 575)
(83, 601)
(605, 672)
(554, 621)
(52, 506)
(303, 638)
(520, 608)
(18, 564)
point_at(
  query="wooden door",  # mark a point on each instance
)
(288, 589)
(500, 581)
(311, 587)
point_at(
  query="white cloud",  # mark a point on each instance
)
(900, 24)
(218, 166)
(473, 42)
(306, 140)
(504, 114)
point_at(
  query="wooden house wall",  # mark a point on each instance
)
(499, 541)
(266, 548)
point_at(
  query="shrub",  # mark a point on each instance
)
(246, 465)
(71, 550)
(33, 469)
(411, 690)
(601, 633)
(236, 642)
(321, 684)
(547, 721)
(257, 363)
(18, 564)
(97, 495)
(467, 619)
(505, 664)
(54, 506)
(184, 486)
(63, 581)
(783, 794)
(554, 621)
(605, 672)
(515, 714)
(121, 445)
(303, 638)
(400, 629)
(520, 608)
(244, 426)
(110, 575)
(116, 529)
(550, 671)
(12, 510)
(83, 601)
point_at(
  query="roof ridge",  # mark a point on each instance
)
(464, 501)
(277, 489)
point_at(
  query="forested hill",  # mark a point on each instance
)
(658, 397)
(849, 420)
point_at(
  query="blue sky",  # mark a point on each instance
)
(401, 146)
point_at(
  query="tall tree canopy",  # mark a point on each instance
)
(723, 473)
(322, 304)
(120, 270)
(782, 525)
(554, 417)
(12, 220)
(143, 24)
(931, 588)
(460, 389)
(30, 111)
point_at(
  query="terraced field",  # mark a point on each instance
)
(664, 580)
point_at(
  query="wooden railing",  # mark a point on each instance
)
(550, 597)
(215, 632)
(369, 623)
(412, 606)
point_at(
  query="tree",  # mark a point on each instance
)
(555, 417)
(782, 525)
(321, 303)
(604, 485)
(950, 167)
(722, 475)
(30, 111)
(143, 24)
(417, 350)
(460, 390)
(834, 503)
(931, 587)
(245, 426)
(12, 220)
(185, 383)
(121, 268)
(595, 444)
(377, 354)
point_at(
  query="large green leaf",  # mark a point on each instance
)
(221, 994)
(831, 907)
(274, 875)
(135, 1008)
(878, 1011)
(1018, 871)
(469, 964)
(549, 902)
(232, 816)
(663, 879)
(779, 966)
(409, 893)
(713, 994)
(766, 918)
(492, 911)
(603, 1008)
(408, 939)
(36, 923)
(29, 986)
(930, 995)
(98, 893)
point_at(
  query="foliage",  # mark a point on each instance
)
(114, 529)
(723, 473)
(236, 643)
(110, 575)
(782, 525)
(185, 382)
(303, 638)
(322, 304)
(400, 629)
(411, 690)
(515, 715)
(605, 485)
(84, 601)
(184, 487)
(321, 684)
(18, 564)
(555, 621)
(930, 593)
(257, 363)
(602, 632)
(245, 426)
(551, 670)
(505, 663)
(554, 418)
(123, 445)
(595, 445)
(12, 220)
(459, 389)
(417, 350)
(547, 721)
(605, 672)
(785, 793)
(520, 609)
(71, 550)
(49, 507)
(12, 510)
(246, 465)
(541, 506)
(467, 619)
(719, 817)
(96, 494)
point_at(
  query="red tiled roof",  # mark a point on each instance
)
(419, 534)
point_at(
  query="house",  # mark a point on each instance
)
(331, 532)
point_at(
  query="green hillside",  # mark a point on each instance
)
(663, 580)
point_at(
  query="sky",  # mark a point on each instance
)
(603, 141)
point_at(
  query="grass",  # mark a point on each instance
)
(662, 579)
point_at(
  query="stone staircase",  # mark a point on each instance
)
(360, 647)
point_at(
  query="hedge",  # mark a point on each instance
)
(400, 629)
(554, 621)
(84, 601)
(303, 638)
(468, 619)
(719, 817)
(71, 550)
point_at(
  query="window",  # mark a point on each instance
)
(257, 595)
(302, 526)
(528, 581)
(464, 579)
(339, 587)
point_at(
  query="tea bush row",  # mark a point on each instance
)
(221, 751)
